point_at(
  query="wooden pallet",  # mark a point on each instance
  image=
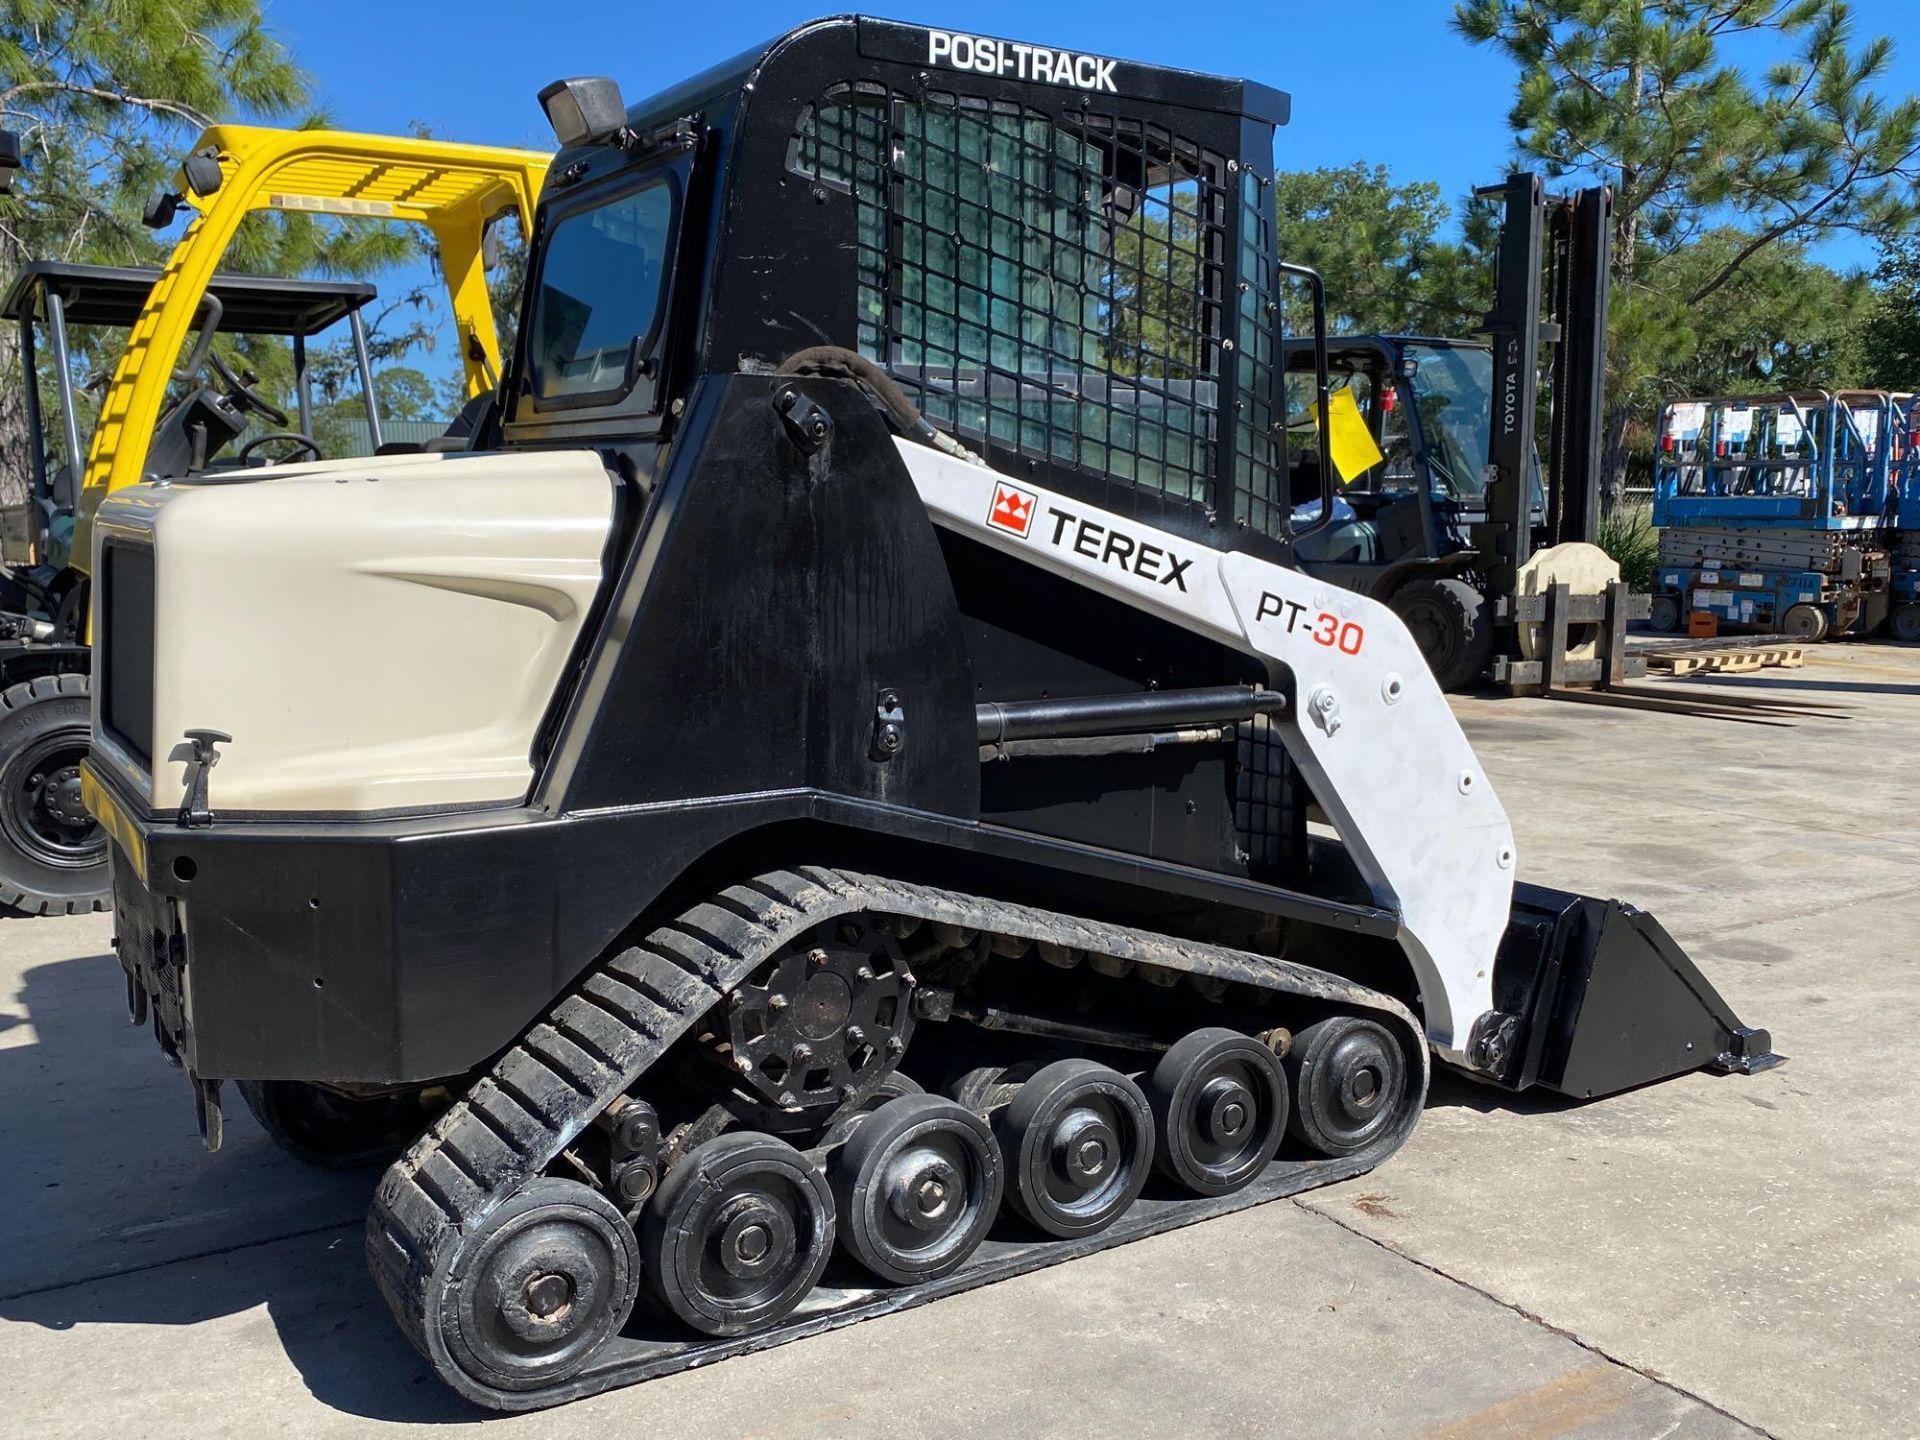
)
(1733, 660)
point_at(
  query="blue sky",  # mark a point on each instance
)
(1385, 82)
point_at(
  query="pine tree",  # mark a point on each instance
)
(1641, 94)
(106, 96)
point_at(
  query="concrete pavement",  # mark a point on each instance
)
(1692, 1259)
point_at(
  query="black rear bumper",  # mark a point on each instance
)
(381, 953)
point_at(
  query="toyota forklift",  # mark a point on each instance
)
(835, 834)
(174, 407)
(1447, 517)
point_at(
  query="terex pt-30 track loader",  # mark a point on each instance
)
(850, 764)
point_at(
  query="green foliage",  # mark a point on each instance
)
(103, 95)
(106, 96)
(1627, 534)
(1374, 244)
(1714, 170)
(1782, 321)
(1889, 334)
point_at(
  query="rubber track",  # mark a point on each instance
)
(600, 1039)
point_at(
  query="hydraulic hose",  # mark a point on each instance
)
(838, 363)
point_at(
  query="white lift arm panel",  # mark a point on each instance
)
(1372, 730)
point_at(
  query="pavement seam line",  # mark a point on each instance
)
(1807, 914)
(1300, 1203)
(213, 1254)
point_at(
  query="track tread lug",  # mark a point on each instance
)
(577, 1067)
(534, 1085)
(626, 1001)
(666, 981)
(704, 937)
(796, 892)
(752, 906)
(611, 1044)
(451, 1187)
(482, 1154)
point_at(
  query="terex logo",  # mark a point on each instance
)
(1114, 547)
(986, 56)
(1012, 509)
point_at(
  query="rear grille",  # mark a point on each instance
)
(125, 675)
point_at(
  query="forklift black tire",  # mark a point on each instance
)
(330, 1131)
(1805, 622)
(1905, 623)
(53, 855)
(1349, 1079)
(1663, 614)
(539, 1286)
(1453, 625)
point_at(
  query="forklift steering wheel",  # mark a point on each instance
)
(244, 396)
(300, 442)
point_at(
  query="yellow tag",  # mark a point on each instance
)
(1351, 449)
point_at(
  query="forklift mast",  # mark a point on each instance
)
(1550, 288)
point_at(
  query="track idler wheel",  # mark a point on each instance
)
(539, 1286)
(916, 1188)
(1078, 1142)
(738, 1233)
(1220, 1109)
(1349, 1082)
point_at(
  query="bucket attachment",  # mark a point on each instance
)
(1595, 997)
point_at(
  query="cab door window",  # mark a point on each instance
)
(598, 298)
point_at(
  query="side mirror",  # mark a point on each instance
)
(202, 169)
(162, 206)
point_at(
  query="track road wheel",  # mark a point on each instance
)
(1905, 624)
(916, 1188)
(1663, 614)
(1451, 623)
(545, 1280)
(1220, 1109)
(1077, 1141)
(1349, 1079)
(1805, 622)
(330, 1131)
(738, 1233)
(53, 855)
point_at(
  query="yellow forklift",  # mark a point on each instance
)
(173, 409)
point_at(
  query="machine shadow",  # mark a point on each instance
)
(1769, 682)
(117, 1216)
(1450, 1090)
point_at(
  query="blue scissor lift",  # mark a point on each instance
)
(1776, 511)
(1904, 478)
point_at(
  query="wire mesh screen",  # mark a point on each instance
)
(1052, 285)
(1260, 497)
(1266, 799)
